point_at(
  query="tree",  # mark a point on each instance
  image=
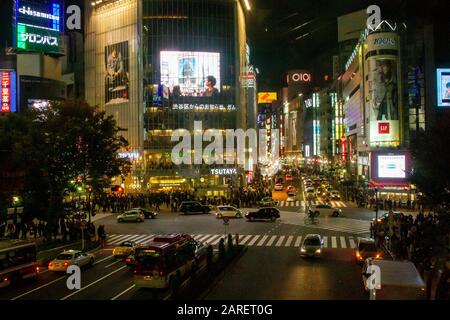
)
(63, 143)
(431, 159)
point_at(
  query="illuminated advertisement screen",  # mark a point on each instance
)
(267, 97)
(443, 87)
(39, 25)
(392, 166)
(117, 74)
(8, 95)
(191, 73)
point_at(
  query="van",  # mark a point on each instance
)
(400, 280)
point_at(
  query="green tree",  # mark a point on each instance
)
(431, 159)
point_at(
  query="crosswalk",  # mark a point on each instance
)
(298, 203)
(252, 240)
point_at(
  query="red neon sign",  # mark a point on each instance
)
(383, 128)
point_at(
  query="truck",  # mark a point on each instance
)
(399, 280)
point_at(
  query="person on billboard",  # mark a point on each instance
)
(115, 71)
(447, 92)
(387, 96)
(210, 84)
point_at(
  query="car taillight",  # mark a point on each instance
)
(161, 273)
(134, 271)
(5, 279)
(65, 264)
(127, 260)
(37, 269)
(358, 255)
(50, 264)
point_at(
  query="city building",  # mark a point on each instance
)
(161, 65)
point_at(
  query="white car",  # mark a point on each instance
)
(312, 246)
(69, 258)
(310, 194)
(291, 196)
(324, 209)
(228, 211)
(279, 187)
(131, 215)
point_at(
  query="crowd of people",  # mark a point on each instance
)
(416, 239)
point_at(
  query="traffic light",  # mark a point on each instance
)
(90, 189)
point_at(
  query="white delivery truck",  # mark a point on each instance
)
(398, 280)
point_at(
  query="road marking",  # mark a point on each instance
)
(113, 236)
(280, 241)
(217, 240)
(245, 239)
(123, 292)
(119, 239)
(297, 203)
(260, 243)
(92, 283)
(298, 241)
(325, 241)
(197, 236)
(288, 241)
(146, 238)
(343, 243)
(352, 243)
(38, 288)
(253, 241)
(101, 260)
(111, 264)
(142, 236)
(271, 241)
(333, 242)
(204, 237)
(212, 238)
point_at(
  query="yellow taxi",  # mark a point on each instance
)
(125, 249)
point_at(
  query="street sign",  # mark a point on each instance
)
(226, 221)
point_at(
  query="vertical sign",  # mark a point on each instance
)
(343, 150)
(8, 94)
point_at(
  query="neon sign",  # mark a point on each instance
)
(8, 94)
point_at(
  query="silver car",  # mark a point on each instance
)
(69, 258)
(132, 215)
(324, 209)
(312, 246)
(229, 212)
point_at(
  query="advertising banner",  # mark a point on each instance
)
(266, 97)
(8, 95)
(390, 168)
(443, 87)
(117, 73)
(191, 73)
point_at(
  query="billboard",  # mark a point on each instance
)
(117, 73)
(267, 97)
(38, 26)
(8, 95)
(391, 166)
(191, 73)
(443, 87)
(383, 102)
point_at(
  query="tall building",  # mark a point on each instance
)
(161, 65)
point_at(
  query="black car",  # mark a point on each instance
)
(194, 207)
(147, 214)
(264, 214)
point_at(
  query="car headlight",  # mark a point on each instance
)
(302, 250)
(318, 251)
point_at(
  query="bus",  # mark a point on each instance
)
(18, 261)
(167, 259)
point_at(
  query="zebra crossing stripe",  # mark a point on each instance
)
(198, 236)
(288, 241)
(119, 239)
(325, 241)
(112, 236)
(253, 241)
(142, 236)
(204, 237)
(260, 243)
(280, 241)
(271, 241)
(333, 242)
(343, 243)
(298, 241)
(216, 241)
(147, 238)
(212, 238)
(245, 239)
(352, 243)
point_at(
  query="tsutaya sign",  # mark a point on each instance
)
(223, 172)
(298, 77)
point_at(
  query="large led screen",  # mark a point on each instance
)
(392, 166)
(191, 73)
(443, 87)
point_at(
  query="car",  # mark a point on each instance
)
(130, 260)
(194, 207)
(268, 202)
(324, 209)
(290, 188)
(310, 193)
(71, 258)
(311, 246)
(147, 214)
(131, 216)
(279, 187)
(334, 195)
(263, 214)
(291, 196)
(396, 215)
(125, 249)
(229, 212)
(366, 248)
